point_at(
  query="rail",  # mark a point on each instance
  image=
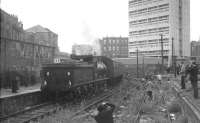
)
(195, 110)
(35, 112)
(139, 114)
(24, 111)
(96, 101)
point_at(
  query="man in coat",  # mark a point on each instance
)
(14, 80)
(193, 71)
(183, 75)
(105, 113)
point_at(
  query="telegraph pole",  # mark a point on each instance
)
(137, 63)
(173, 63)
(161, 41)
(143, 66)
(172, 51)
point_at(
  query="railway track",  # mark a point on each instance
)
(138, 114)
(24, 111)
(91, 104)
(144, 100)
(31, 114)
(193, 109)
(40, 111)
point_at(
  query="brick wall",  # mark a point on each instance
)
(24, 57)
(114, 47)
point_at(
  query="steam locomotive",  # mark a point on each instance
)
(83, 74)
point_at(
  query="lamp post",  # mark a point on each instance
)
(172, 51)
(161, 42)
(137, 63)
(173, 58)
(143, 66)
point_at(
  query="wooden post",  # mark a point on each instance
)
(161, 41)
(137, 64)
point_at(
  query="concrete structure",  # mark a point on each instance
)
(21, 51)
(113, 47)
(195, 48)
(82, 49)
(149, 19)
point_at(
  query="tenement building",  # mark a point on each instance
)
(47, 43)
(154, 24)
(114, 47)
(82, 49)
(23, 52)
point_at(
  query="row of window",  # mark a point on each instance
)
(16, 49)
(116, 55)
(163, 30)
(154, 9)
(153, 41)
(110, 48)
(114, 41)
(149, 46)
(160, 19)
(12, 34)
(134, 3)
(156, 52)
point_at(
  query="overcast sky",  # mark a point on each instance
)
(82, 21)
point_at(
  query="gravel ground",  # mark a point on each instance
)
(130, 99)
(188, 92)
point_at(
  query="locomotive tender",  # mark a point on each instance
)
(91, 73)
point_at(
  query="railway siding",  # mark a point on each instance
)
(11, 105)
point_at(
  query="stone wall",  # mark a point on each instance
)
(24, 58)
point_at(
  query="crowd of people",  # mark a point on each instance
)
(189, 72)
(15, 78)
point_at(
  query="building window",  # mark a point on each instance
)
(104, 41)
(116, 41)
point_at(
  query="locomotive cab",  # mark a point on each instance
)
(63, 77)
(56, 79)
